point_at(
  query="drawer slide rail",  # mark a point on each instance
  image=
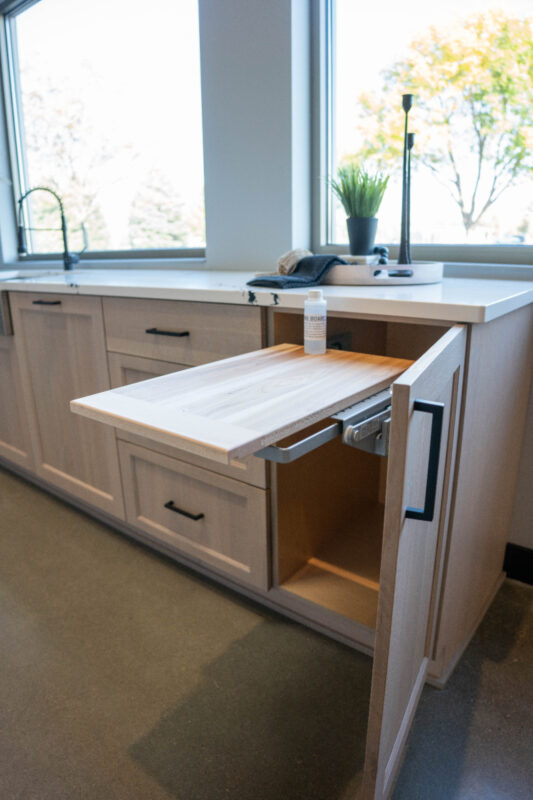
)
(364, 425)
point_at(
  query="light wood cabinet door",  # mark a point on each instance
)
(14, 438)
(61, 350)
(421, 461)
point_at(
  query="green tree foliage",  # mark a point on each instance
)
(156, 217)
(473, 113)
(58, 132)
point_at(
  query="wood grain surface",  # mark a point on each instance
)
(232, 408)
(61, 352)
(214, 330)
(409, 565)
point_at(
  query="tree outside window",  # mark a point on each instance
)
(472, 79)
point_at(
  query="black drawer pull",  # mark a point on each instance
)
(437, 412)
(167, 333)
(46, 302)
(170, 505)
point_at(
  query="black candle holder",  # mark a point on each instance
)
(404, 255)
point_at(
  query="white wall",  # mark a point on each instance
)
(256, 123)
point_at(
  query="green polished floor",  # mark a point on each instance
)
(124, 676)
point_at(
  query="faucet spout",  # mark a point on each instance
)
(69, 259)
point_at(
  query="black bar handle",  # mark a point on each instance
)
(167, 333)
(437, 412)
(46, 302)
(170, 505)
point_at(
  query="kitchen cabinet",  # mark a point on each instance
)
(229, 534)
(348, 543)
(14, 439)
(492, 419)
(61, 350)
(323, 538)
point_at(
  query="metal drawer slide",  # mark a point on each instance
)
(364, 425)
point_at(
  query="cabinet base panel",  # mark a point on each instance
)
(518, 563)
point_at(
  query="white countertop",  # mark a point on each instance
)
(453, 300)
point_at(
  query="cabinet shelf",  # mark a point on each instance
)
(343, 576)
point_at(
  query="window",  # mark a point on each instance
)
(106, 109)
(469, 65)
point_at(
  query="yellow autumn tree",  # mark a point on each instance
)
(473, 112)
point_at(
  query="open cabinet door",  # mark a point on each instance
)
(421, 456)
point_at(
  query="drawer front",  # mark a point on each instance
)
(129, 369)
(181, 332)
(124, 369)
(214, 520)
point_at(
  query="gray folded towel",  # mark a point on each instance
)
(309, 271)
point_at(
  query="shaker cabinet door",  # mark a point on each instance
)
(61, 350)
(14, 439)
(421, 456)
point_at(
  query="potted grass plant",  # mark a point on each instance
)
(360, 193)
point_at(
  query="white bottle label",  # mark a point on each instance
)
(314, 326)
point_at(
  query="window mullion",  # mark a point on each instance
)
(14, 100)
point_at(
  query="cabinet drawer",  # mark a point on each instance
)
(125, 370)
(181, 332)
(214, 520)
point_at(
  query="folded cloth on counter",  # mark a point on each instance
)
(288, 262)
(308, 272)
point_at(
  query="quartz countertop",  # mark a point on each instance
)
(453, 300)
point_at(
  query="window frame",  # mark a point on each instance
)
(164, 257)
(323, 106)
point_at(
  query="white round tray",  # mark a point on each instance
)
(376, 275)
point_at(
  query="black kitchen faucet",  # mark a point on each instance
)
(69, 259)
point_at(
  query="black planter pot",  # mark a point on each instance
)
(361, 233)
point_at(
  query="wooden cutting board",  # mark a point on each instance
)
(229, 409)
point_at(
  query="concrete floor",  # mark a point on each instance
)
(125, 676)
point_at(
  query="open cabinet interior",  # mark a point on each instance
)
(330, 507)
(329, 504)
(378, 337)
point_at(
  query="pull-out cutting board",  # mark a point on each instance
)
(230, 409)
